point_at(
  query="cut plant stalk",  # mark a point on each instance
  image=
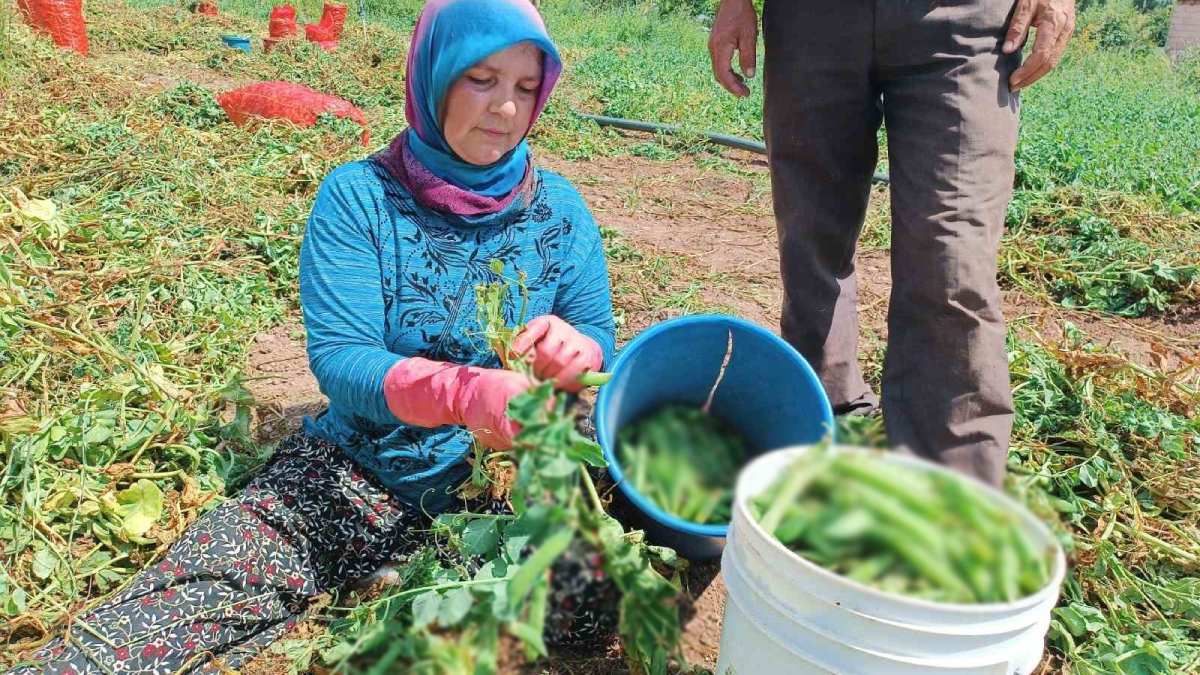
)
(594, 379)
(553, 496)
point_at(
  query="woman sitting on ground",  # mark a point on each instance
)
(394, 248)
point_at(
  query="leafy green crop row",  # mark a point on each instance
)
(1113, 448)
(176, 237)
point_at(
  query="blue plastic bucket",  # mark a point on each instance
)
(241, 42)
(769, 394)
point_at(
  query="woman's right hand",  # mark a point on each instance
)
(427, 393)
(558, 351)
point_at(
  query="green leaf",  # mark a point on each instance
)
(447, 575)
(97, 435)
(496, 569)
(1087, 476)
(529, 408)
(1079, 618)
(530, 636)
(501, 610)
(667, 556)
(14, 604)
(454, 606)
(94, 562)
(425, 608)
(1093, 619)
(532, 569)
(236, 392)
(559, 467)
(1143, 662)
(107, 577)
(518, 534)
(480, 536)
(1064, 506)
(611, 533)
(589, 452)
(44, 563)
(141, 506)
(298, 652)
(1070, 620)
(447, 521)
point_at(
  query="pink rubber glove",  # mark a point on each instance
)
(426, 393)
(559, 351)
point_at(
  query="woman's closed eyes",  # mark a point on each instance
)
(486, 81)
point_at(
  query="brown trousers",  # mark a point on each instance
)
(934, 72)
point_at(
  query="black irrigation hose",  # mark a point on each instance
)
(717, 139)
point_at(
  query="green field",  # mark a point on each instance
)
(126, 316)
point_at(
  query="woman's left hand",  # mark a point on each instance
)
(560, 352)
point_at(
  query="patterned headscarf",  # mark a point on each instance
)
(451, 36)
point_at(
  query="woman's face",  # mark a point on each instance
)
(487, 111)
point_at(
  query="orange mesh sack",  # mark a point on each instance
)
(316, 33)
(320, 37)
(288, 101)
(207, 9)
(62, 19)
(283, 22)
(333, 19)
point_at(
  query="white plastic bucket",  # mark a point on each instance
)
(786, 615)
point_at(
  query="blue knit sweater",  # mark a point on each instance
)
(382, 278)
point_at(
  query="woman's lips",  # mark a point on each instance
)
(494, 133)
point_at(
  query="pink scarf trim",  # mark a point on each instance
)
(437, 194)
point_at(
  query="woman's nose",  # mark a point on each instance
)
(506, 109)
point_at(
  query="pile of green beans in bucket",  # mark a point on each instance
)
(929, 535)
(685, 460)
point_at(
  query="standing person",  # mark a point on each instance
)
(944, 75)
(394, 247)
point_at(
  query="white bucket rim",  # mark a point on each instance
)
(736, 577)
(732, 560)
(1042, 595)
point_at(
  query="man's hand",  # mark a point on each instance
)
(1054, 21)
(735, 28)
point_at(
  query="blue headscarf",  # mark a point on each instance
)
(450, 37)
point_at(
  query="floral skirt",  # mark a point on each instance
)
(245, 573)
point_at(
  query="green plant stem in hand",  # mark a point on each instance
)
(504, 582)
(554, 498)
(594, 379)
